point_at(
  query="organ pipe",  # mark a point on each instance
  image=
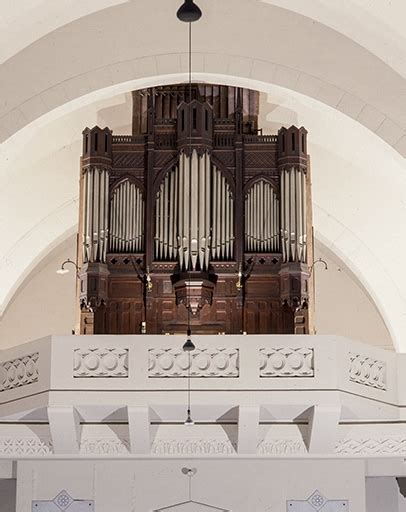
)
(206, 231)
(261, 218)
(293, 221)
(95, 216)
(126, 218)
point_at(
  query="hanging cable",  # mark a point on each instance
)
(189, 12)
(189, 330)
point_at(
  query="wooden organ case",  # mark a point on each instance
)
(212, 230)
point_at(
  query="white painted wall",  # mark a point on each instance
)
(45, 303)
(238, 485)
(342, 306)
(7, 495)
(382, 495)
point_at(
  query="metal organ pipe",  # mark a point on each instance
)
(120, 218)
(172, 179)
(286, 196)
(165, 218)
(304, 217)
(223, 217)
(132, 223)
(214, 217)
(157, 215)
(207, 211)
(105, 206)
(261, 218)
(265, 215)
(197, 211)
(187, 168)
(181, 208)
(101, 218)
(175, 225)
(294, 213)
(86, 253)
(126, 218)
(202, 213)
(217, 220)
(194, 210)
(272, 228)
(95, 215)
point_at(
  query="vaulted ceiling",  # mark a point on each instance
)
(337, 67)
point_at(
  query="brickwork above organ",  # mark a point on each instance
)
(196, 217)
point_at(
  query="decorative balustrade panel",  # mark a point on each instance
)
(367, 371)
(369, 446)
(19, 372)
(286, 362)
(317, 502)
(204, 446)
(63, 501)
(105, 446)
(281, 447)
(25, 446)
(100, 362)
(208, 362)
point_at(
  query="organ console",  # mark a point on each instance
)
(195, 219)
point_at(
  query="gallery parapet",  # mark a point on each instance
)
(222, 362)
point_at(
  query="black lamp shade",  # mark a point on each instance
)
(189, 12)
(189, 421)
(188, 346)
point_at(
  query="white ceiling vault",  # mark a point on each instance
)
(338, 67)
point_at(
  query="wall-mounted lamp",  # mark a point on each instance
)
(148, 281)
(64, 270)
(239, 284)
(320, 260)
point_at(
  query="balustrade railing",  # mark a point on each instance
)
(223, 140)
(128, 139)
(260, 139)
(165, 140)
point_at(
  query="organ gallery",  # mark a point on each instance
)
(195, 220)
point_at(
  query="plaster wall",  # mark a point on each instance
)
(238, 485)
(382, 495)
(8, 495)
(343, 307)
(45, 302)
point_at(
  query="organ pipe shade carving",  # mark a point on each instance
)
(262, 218)
(294, 215)
(126, 218)
(194, 214)
(96, 214)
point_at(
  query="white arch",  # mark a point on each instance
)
(245, 38)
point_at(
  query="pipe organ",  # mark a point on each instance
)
(195, 219)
